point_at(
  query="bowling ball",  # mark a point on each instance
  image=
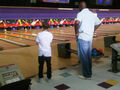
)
(94, 52)
(97, 52)
(100, 51)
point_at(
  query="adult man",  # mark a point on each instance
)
(44, 40)
(85, 25)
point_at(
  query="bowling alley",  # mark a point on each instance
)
(59, 44)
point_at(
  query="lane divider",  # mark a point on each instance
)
(13, 42)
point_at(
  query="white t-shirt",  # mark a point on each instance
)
(88, 21)
(44, 39)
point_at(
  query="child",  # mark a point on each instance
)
(44, 40)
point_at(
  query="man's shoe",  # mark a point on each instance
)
(49, 80)
(41, 80)
(85, 78)
(80, 76)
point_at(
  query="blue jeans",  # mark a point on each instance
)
(85, 57)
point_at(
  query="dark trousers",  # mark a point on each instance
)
(85, 57)
(41, 60)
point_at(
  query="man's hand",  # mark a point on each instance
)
(77, 26)
(76, 35)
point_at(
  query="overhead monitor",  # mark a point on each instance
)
(104, 2)
(56, 1)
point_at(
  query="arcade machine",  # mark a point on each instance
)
(11, 78)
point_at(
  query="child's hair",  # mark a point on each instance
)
(45, 24)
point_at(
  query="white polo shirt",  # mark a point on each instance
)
(44, 39)
(88, 21)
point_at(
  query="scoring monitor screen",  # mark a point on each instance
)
(104, 2)
(57, 1)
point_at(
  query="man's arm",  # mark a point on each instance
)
(97, 23)
(97, 26)
(37, 40)
(77, 26)
(36, 43)
(51, 38)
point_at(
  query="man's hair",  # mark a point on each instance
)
(81, 4)
(45, 24)
(83, 1)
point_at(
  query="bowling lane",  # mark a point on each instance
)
(66, 33)
(60, 31)
(28, 42)
(6, 45)
(33, 35)
(104, 30)
(20, 40)
(56, 35)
